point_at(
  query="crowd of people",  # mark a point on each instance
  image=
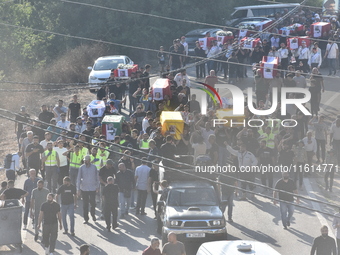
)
(73, 159)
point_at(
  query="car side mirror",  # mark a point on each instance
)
(89, 67)
(223, 205)
(161, 203)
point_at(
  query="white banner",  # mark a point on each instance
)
(268, 70)
(293, 43)
(317, 31)
(220, 40)
(203, 43)
(243, 33)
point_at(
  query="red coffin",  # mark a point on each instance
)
(125, 73)
(320, 29)
(268, 66)
(304, 39)
(249, 42)
(160, 88)
(206, 42)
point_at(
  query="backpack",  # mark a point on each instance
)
(8, 161)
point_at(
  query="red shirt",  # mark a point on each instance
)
(150, 251)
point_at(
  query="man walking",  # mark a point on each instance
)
(87, 186)
(50, 215)
(51, 160)
(68, 194)
(30, 184)
(142, 180)
(324, 244)
(110, 202)
(125, 182)
(286, 185)
(39, 195)
(32, 153)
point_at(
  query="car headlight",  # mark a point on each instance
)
(216, 222)
(174, 223)
(93, 77)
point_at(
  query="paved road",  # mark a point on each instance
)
(256, 219)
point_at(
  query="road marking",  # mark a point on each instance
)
(316, 206)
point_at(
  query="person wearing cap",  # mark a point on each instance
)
(45, 116)
(22, 116)
(59, 109)
(32, 154)
(87, 186)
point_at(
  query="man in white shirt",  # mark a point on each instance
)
(143, 184)
(15, 166)
(303, 52)
(315, 59)
(80, 125)
(246, 161)
(310, 146)
(275, 41)
(48, 137)
(145, 122)
(63, 167)
(283, 56)
(214, 50)
(63, 123)
(186, 49)
(181, 76)
(332, 54)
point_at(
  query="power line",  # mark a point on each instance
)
(159, 157)
(193, 175)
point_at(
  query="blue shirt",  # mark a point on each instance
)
(29, 185)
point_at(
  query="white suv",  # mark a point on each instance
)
(100, 72)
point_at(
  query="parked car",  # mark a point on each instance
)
(266, 10)
(250, 20)
(194, 35)
(100, 72)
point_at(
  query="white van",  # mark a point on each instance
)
(238, 247)
(266, 10)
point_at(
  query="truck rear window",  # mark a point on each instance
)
(192, 197)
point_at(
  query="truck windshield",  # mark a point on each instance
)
(107, 64)
(191, 197)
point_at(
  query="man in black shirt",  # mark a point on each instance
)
(286, 185)
(110, 200)
(154, 180)
(74, 110)
(199, 52)
(146, 74)
(68, 194)
(13, 193)
(33, 151)
(45, 116)
(168, 150)
(126, 183)
(50, 215)
(324, 244)
(88, 131)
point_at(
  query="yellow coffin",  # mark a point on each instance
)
(172, 122)
(227, 114)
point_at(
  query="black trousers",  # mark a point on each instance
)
(111, 210)
(154, 201)
(89, 197)
(141, 200)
